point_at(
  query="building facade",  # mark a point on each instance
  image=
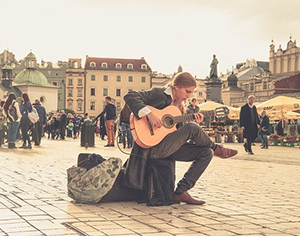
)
(75, 81)
(113, 77)
(285, 61)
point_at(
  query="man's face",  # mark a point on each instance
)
(251, 100)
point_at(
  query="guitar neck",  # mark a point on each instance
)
(190, 117)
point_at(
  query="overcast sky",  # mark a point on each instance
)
(167, 33)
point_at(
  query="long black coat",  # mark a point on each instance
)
(245, 121)
(137, 163)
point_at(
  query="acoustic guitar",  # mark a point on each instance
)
(147, 136)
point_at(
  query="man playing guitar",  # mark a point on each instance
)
(187, 143)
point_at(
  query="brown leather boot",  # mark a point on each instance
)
(185, 197)
(222, 152)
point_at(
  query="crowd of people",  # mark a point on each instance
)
(15, 124)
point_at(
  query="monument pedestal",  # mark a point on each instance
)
(213, 90)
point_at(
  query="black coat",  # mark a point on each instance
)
(264, 125)
(137, 163)
(245, 120)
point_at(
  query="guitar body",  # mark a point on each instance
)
(146, 136)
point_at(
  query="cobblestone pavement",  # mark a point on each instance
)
(245, 195)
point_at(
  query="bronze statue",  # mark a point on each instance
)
(213, 71)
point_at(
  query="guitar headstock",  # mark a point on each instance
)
(221, 111)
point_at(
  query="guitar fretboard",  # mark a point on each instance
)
(190, 117)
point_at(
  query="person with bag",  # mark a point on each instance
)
(25, 108)
(13, 116)
(37, 127)
(2, 123)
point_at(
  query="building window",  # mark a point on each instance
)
(118, 78)
(118, 92)
(93, 91)
(54, 83)
(79, 92)
(200, 93)
(252, 87)
(144, 67)
(93, 77)
(130, 90)
(79, 82)
(105, 77)
(70, 92)
(93, 65)
(119, 66)
(143, 79)
(79, 105)
(92, 106)
(265, 85)
(75, 64)
(105, 92)
(130, 79)
(70, 82)
(42, 99)
(129, 66)
(70, 104)
(104, 65)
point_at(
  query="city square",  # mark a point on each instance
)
(245, 195)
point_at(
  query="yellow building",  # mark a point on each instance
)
(285, 61)
(75, 81)
(113, 77)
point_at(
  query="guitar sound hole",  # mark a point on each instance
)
(168, 121)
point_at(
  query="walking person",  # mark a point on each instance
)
(110, 116)
(37, 128)
(13, 117)
(264, 129)
(175, 145)
(125, 127)
(249, 123)
(2, 123)
(25, 122)
(62, 124)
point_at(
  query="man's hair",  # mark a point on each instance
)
(108, 98)
(194, 99)
(184, 79)
(251, 96)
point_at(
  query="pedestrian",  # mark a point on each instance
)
(62, 124)
(13, 117)
(175, 145)
(102, 128)
(37, 128)
(2, 123)
(110, 116)
(192, 108)
(264, 129)
(249, 123)
(125, 127)
(25, 124)
(70, 128)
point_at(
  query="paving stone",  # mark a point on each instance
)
(245, 195)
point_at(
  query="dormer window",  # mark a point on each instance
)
(144, 67)
(129, 66)
(93, 65)
(104, 65)
(75, 64)
(119, 66)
